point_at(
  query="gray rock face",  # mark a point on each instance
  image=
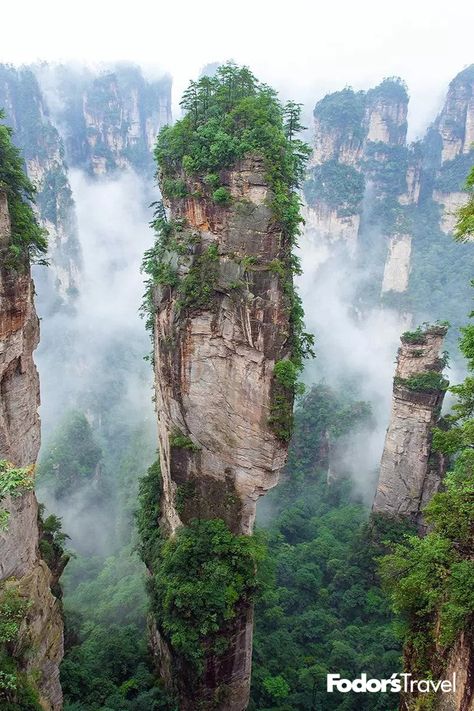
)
(410, 472)
(26, 111)
(460, 663)
(214, 386)
(20, 563)
(109, 117)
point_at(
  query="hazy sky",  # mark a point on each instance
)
(304, 47)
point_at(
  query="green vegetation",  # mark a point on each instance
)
(202, 579)
(175, 188)
(198, 288)
(14, 481)
(148, 515)
(431, 579)
(338, 185)
(178, 439)
(28, 240)
(285, 386)
(391, 88)
(430, 382)
(417, 337)
(72, 459)
(322, 607)
(387, 166)
(452, 174)
(52, 544)
(342, 110)
(107, 665)
(17, 690)
(221, 196)
(464, 229)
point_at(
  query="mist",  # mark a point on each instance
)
(91, 357)
(104, 332)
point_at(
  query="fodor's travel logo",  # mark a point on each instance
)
(395, 684)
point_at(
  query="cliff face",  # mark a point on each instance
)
(43, 151)
(109, 119)
(455, 124)
(461, 663)
(454, 135)
(355, 136)
(389, 206)
(410, 472)
(214, 361)
(39, 648)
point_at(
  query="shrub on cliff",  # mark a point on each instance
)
(28, 239)
(464, 229)
(431, 580)
(227, 117)
(201, 578)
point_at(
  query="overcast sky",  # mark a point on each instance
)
(303, 47)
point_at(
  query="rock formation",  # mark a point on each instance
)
(397, 266)
(39, 649)
(26, 111)
(410, 471)
(356, 134)
(453, 136)
(214, 372)
(109, 118)
(388, 205)
(460, 663)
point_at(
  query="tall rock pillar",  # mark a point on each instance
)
(410, 471)
(217, 339)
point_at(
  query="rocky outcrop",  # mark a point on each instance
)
(454, 134)
(455, 123)
(358, 138)
(397, 267)
(323, 224)
(346, 122)
(26, 111)
(215, 354)
(461, 664)
(366, 187)
(109, 118)
(410, 471)
(40, 643)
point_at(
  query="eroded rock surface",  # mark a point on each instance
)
(20, 562)
(410, 471)
(214, 364)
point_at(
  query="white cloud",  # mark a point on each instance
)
(305, 48)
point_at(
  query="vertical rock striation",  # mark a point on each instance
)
(109, 118)
(39, 648)
(388, 205)
(214, 362)
(357, 137)
(42, 148)
(228, 349)
(453, 141)
(410, 472)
